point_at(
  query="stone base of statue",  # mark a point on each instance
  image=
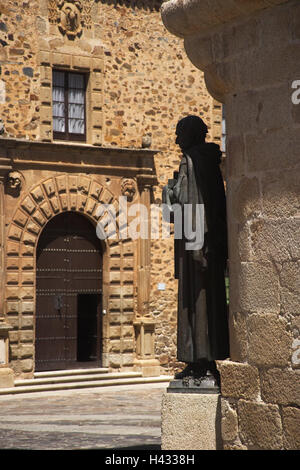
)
(191, 415)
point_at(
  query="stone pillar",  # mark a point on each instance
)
(6, 374)
(144, 324)
(250, 55)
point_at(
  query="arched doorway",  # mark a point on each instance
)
(68, 295)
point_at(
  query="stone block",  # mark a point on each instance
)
(12, 278)
(289, 277)
(191, 421)
(12, 248)
(61, 60)
(15, 232)
(281, 386)
(269, 342)
(114, 304)
(81, 62)
(38, 195)
(46, 75)
(244, 198)
(97, 119)
(26, 351)
(114, 332)
(229, 422)
(97, 81)
(26, 365)
(46, 114)
(27, 322)
(271, 150)
(280, 193)
(20, 218)
(46, 95)
(97, 64)
(238, 337)
(6, 377)
(260, 425)
(235, 156)
(275, 240)
(26, 336)
(239, 380)
(291, 429)
(259, 288)
(127, 345)
(46, 132)
(96, 100)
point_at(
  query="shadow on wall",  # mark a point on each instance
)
(151, 5)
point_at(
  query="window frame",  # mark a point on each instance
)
(66, 135)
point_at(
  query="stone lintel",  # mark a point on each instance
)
(116, 160)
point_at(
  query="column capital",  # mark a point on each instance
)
(188, 17)
(216, 38)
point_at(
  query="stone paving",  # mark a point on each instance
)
(124, 417)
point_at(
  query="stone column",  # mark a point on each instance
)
(250, 54)
(144, 324)
(6, 374)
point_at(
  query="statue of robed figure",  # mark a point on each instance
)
(201, 256)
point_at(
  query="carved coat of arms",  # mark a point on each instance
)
(70, 15)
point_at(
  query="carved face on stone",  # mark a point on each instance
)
(128, 188)
(14, 180)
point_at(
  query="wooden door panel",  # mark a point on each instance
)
(69, 263)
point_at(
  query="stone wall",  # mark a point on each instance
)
(140, 84)
(251, 63)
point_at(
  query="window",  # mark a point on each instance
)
(69, 105)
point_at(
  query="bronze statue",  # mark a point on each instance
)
(202, 308)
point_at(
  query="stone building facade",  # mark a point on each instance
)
(137, 84)
(250, 55)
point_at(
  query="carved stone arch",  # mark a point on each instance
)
(48, 198)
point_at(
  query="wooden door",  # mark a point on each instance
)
(68, 294)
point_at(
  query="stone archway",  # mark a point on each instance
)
(50, 197)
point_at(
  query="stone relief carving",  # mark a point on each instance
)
(70, 15)
(14, 181)
(128, 188)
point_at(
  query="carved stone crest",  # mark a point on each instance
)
(128, 188)
(70, 15)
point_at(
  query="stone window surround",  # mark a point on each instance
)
(93, 66)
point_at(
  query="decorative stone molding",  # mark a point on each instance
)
(52, 196)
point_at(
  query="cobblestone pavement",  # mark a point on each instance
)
(110, 418)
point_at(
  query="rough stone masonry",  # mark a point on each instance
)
(250, 55)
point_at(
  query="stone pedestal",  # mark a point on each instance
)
(191, 421)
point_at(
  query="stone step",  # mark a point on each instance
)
(63, 373)
(83, 377)
(118, 381)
